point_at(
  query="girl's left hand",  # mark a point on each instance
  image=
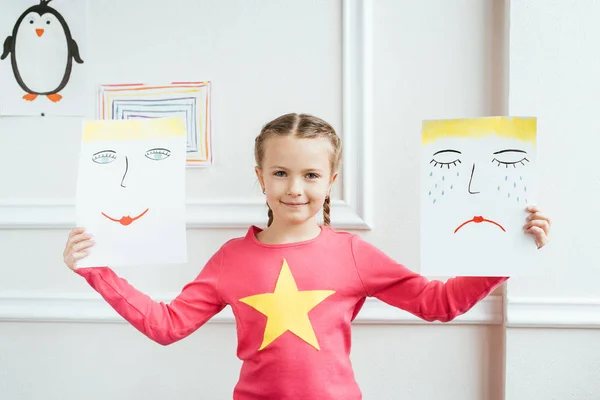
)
(538, 225)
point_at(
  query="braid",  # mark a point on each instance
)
(270, 215)
(326, 211)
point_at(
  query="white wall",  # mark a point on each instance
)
(554, 64)
(433, 59)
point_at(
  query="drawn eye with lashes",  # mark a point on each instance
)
(510, 158)
(446, 158)
(158, 154)
(104, 157)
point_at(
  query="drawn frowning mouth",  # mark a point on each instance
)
(126, 220)
(477, 220)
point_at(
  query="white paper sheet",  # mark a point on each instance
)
(131, 191)
(477, 178)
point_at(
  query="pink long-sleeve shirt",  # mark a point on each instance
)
(293, 306)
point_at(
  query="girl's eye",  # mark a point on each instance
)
(312, 175)
(279, 173)
(104, 157)
(445, 158)
(510, 157)
(158, 154)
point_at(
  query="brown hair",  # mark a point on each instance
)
(302, 126)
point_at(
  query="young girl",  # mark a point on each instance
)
(294, 287)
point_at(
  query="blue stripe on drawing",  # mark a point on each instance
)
(150, 103)
(135, 113)
(193, 133)
(192, 139)
(128, 114)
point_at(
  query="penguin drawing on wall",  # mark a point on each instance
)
(41, 52)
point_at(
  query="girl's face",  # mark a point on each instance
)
(296, 176)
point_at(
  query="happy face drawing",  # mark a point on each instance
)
(130, 178)
(477, 179)
(131, 189)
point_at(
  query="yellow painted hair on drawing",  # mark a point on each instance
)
(103, 130)
(523, 128)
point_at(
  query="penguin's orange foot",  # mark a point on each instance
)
(54, 97)
(30, 97)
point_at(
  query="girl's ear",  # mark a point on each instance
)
(259, 175)
(333, 178)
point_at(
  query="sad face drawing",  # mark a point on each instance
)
(477, 179)
(131, 190)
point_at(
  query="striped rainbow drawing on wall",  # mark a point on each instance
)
(188, 100)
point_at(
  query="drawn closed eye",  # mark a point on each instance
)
(445, 158)
(158, 154)
(510, 157)
(104, 157)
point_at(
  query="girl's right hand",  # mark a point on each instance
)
(77, 242)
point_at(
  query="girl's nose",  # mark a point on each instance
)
(295, 188)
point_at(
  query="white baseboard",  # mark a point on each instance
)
(553, 313)
(93, 309)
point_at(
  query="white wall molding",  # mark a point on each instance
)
(520, 313)
(93, 309)
(219, 213)
(553, 313)
(353, 212)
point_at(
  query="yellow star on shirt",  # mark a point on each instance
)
(287, 309)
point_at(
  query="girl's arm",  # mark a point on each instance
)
(400, 287)
(164, 323)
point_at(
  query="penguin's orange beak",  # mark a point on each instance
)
(39, 32)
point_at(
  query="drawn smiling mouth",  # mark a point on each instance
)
(478, 219)
(126, 220)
